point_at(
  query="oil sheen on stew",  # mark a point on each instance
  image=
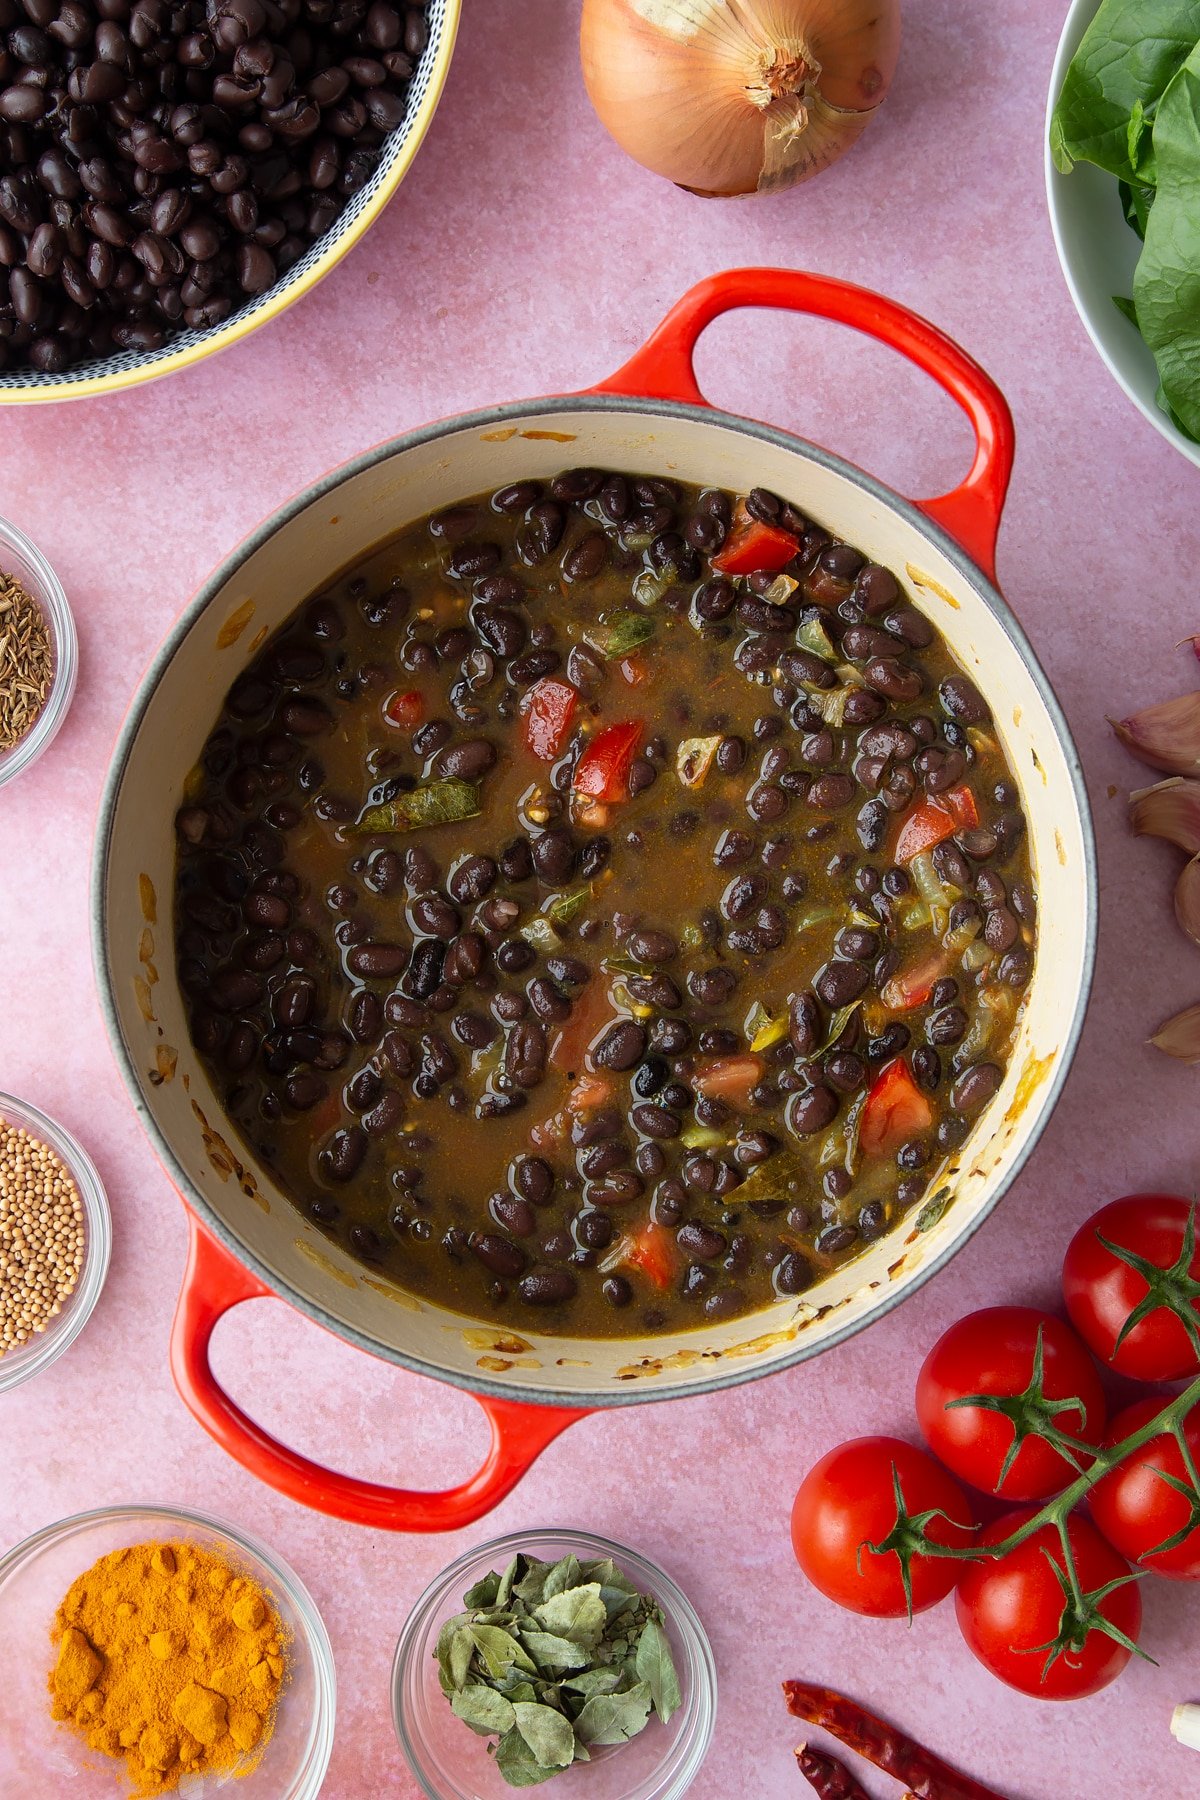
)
(606, 908)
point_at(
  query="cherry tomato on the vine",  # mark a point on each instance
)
(1153, 1266)
(1137, 1509)
(995, 1353)
(1017, 1616)
(848, 1500)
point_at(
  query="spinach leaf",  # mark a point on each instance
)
(1166, 282)
(1136, 202)
(1129, 55)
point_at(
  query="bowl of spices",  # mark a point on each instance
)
(39, 653)
(145, 1647)
(552, 1653)
(55, 1239)
(175, 176)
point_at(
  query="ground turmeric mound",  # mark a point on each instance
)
(170, 1659)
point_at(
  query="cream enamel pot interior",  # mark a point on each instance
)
(247, 1239)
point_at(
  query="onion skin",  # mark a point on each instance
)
(728, 97)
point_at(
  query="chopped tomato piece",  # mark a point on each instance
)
(406, 710)
(933, 821)
(602, 772)
(895, 1110)
(729, 1078)
(752, 547)
(589, 1092)
(926, 825)
(651, 1248)
(912, 986)
(588, 1015)
(961, 802)
(549, 708)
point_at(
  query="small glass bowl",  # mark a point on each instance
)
(451, 1763)
(20, 558)
(18, 1365)
(39, 1756)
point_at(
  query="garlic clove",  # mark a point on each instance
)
(1180, 1036)
(1185, 1725)
(1171, 810)
(1167, 736)
(1187, 900)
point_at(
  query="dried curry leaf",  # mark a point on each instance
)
(620, 632)
(433, 803)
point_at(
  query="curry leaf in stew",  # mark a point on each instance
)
(608, 908)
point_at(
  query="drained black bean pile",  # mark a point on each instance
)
(608, 907)
(160, 163)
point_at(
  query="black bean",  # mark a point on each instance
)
(793, 1273)
(947, 1027)
(701, 1242)
(962, 701)
(1000, 929)
(547, 1287)
(516, 860)
(836, 1239)
(374, 961)
(616, 1290)
(804, 1023)
(499, 1255)
(533, 1179)
(424, 972)
(525, 1054)
(655, 1121)
(712, 987)
(554, 856)
(647, 946)
(622, 1045)
(343, 1155)
(975, 1086)
(466, 761)
(840, 982)
(657, 990)
(811, 1110)
(893, 679)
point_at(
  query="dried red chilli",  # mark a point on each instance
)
(926, 1775)
(828, 1778)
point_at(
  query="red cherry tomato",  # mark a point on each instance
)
(895, 1110)
(602, 772)
(1137, 1510)
(1103, 1290)
(1011, 1611)
(994, 1352)
(848, 1500)
(753, 547)
(549, 708)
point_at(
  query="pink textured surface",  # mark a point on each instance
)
(526, 255)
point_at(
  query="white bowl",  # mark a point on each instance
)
(1098, 251)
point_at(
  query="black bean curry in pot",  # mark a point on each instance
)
(606, 908)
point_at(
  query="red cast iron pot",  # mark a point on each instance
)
(247, 1240)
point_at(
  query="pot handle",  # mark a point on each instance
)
(663, 370)
(213, 1282)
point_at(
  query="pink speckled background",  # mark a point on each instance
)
(523, 255)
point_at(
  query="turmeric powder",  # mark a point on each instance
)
(171, 1659)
